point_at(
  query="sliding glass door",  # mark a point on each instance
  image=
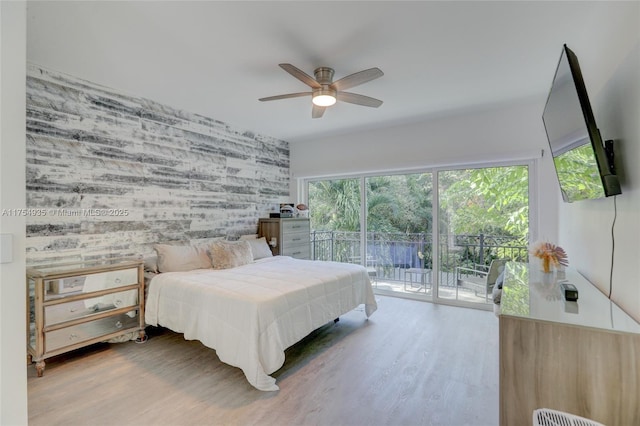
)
(398, 238)
(395, 210)
(483, 221)
(388, 223)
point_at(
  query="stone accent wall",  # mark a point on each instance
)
(109, 174)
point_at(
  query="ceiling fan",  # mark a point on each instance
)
(326, 91)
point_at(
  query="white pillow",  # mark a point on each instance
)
(248, 237)
(229, 254)
(181, 258)
(259, 248)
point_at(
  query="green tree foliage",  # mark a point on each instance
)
(488, 200)
(399, 203)
(335, 205)
(473, 201)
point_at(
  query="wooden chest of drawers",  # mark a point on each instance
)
(292, 236)
(75, 305)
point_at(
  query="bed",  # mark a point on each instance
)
(249, 314)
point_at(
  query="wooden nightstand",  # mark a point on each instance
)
(77, 304)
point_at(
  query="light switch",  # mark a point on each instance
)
(6, 248)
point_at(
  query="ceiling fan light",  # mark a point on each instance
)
(324, 100)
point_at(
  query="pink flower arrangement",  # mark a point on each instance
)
(550, 254)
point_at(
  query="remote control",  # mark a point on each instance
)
(569, 291)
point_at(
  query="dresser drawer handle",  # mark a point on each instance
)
(118, 324)
(73, 336)
(118, 280)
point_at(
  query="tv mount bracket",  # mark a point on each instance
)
(608, 150)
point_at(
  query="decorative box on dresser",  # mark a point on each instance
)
(292, 236)
(77, 304)
(582, 357)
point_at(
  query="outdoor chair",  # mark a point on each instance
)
(372, 267)
(480, 278)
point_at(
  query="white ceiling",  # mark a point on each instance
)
(217, 58)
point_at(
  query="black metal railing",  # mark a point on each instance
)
(391, 254)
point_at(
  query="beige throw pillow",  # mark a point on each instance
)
(181, 258)
(229, 254)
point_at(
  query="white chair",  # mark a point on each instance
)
(371, 265)
(480, 277)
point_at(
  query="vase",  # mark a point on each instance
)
(547, 278)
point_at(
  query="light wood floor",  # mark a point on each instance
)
(411, 363)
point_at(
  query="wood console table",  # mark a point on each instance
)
(580, 357)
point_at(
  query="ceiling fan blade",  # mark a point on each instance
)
(287, 96)
(301, 75)
(317, 111)
(354, 98)
(357, 78)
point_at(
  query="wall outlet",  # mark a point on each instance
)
(6, 248)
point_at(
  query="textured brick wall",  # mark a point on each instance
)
(109, 174)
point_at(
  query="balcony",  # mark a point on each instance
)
(403, 263)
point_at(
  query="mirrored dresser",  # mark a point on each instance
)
(77, 304)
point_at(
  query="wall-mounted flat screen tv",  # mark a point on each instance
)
(584, 165)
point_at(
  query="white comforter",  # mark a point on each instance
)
(252, 313)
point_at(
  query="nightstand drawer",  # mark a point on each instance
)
(300, 251)
(90, 282)
(295, 226)
(68, 336)
(295, 239)
(55, 314)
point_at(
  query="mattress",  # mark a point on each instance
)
(250, 314)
